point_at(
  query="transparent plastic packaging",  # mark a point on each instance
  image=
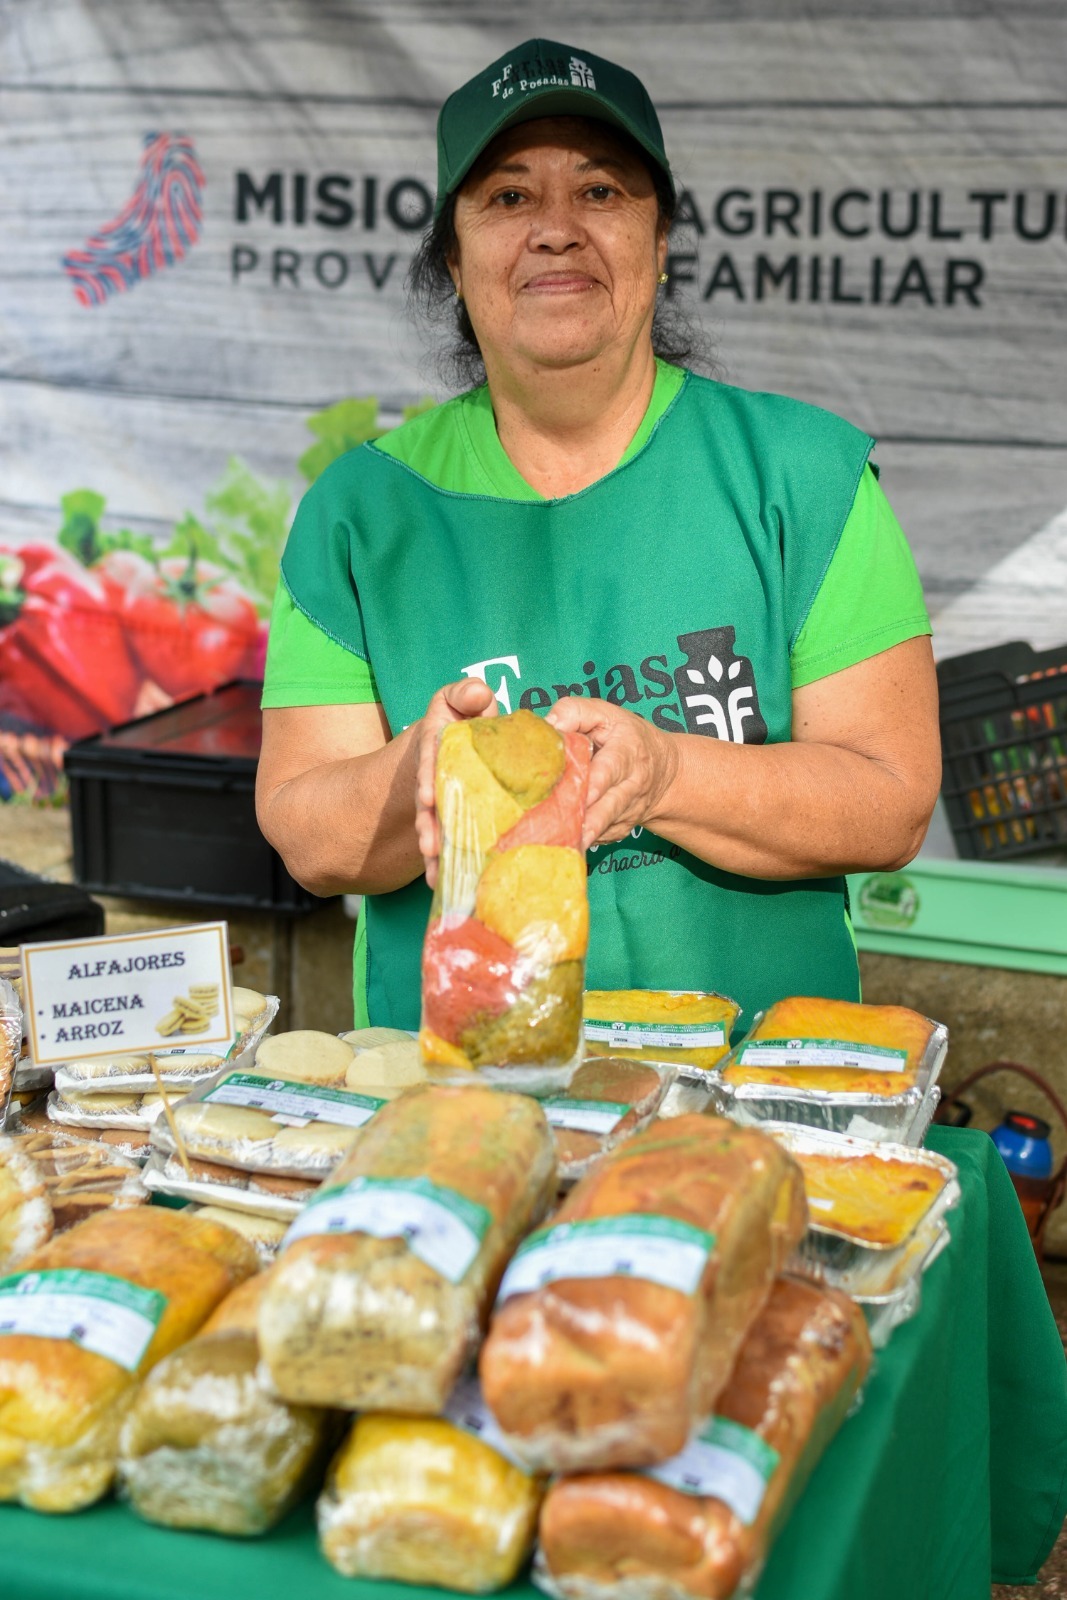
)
(206, 1446)
(179, 1070)
(84, 1319)
(863, 1070)
(29, 1077)
(80, 1176)
(25, 1211)
(689, 1027)
(114, 1109)
(616, 1326)
(261, 1124)
(380, 1296)
(504, 956)
(699, 1526)
(265, 1194)
(429, 1500)
(10, 1043)
(607, 1101)
(264, 1234)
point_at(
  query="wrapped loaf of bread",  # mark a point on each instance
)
(617, 1326)
(504, 957)
(383, 1288)
(834, 1047)
(81, 1323)
(691, 1029)
(699, 1526)
(206, 1446)
(429, 1500)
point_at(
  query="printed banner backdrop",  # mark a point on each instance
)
(210, 206)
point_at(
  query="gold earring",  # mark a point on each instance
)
(459, 298)
(664, 277)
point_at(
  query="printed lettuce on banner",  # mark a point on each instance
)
(158, 224)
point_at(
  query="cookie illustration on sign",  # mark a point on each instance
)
(717, 688)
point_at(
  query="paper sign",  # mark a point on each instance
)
(166, 990)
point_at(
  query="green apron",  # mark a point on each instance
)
(675, 586)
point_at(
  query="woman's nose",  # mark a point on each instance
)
(556, 228)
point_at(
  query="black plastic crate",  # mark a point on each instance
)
(34, 909)
(1004, 747)
(163, 808)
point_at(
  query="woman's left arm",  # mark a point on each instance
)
(853, 791)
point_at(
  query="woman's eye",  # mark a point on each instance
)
(600, 191)
(509, 197)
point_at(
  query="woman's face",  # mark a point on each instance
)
(559, 245)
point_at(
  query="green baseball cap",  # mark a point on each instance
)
(541, 79)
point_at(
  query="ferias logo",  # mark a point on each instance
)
(713, 692)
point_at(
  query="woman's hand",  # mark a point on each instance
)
(456, 702)
(633, 766)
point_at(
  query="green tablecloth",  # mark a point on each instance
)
(953, 1470)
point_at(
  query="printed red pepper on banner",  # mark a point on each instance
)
(64, 663)
(188, 624)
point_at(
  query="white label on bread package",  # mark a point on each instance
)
(658, 1249)
(820, 1053)
(586, 1116)
(294, 1103)
(655, 1035)
(468, 1411)
(106, 1315)
(443, 1228)
(726, 1462)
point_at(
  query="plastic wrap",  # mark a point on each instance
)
(861, 1070)
(29, 1077)
(265, 1194)
(81, 1322)
(616, 1327)
(80, 1176)
(606, 1102)
(247, 1120)
(264, 1234)
(179, 1071)
(383, 1288)
(504, 957)
(429, 1500)
(25, 1210)
(689, 1027)
(114, 1109)
(206, 1446)
(10, 1043)
(698, 1527)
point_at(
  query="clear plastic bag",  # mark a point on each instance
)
(25, 1211)
(10, 1043)
(616, 1326)
(698, 1527)
(381, 1292)
(606, 1101)
(266, 1194)
(206, 1446)
(80, 1176)
(429, 1500)
(504, 956)
(179, 1071)
(84, 1319)
(113, 1109)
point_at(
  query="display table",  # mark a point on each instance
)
(954, 1468)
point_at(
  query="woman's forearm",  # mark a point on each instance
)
(348, 826)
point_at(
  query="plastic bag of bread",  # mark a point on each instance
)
(606, 1101)
(429, 1500)
(383, 1288)
(80, 1176)
(264, 1234)
(616, 1326)
(504, 955)
(246, 1119)
(688, 1027)
(25, 1212)
(206, 1446)
(10, 1043)
(81, 1322)
(209, 1183)
(698, 1527)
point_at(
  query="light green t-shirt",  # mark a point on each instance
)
(869, 600)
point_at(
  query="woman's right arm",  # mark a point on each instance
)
(336, 792)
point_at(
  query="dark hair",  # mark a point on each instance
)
(433, 304)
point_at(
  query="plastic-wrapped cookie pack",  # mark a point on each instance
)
(210, 1183)
(617, 1325)
(698, 1526)
(504, 955)
(206, 1446)
(430, 1500)
(384, 1285)
(869, 1071)
(80, 1176)
(113, 1109)
(607, 1101)
(10, 1043)
(25, 1211)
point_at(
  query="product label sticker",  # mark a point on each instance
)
(166, 989)
(820, 1202)
(821, 1053)
(106, 1315)
(659, 1249)
(468, 1411)
(587, 1116)
(725, 1462)
(441, 1227)
(655, 1035)
(295, 1104)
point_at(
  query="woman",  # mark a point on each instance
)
(709, 583)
